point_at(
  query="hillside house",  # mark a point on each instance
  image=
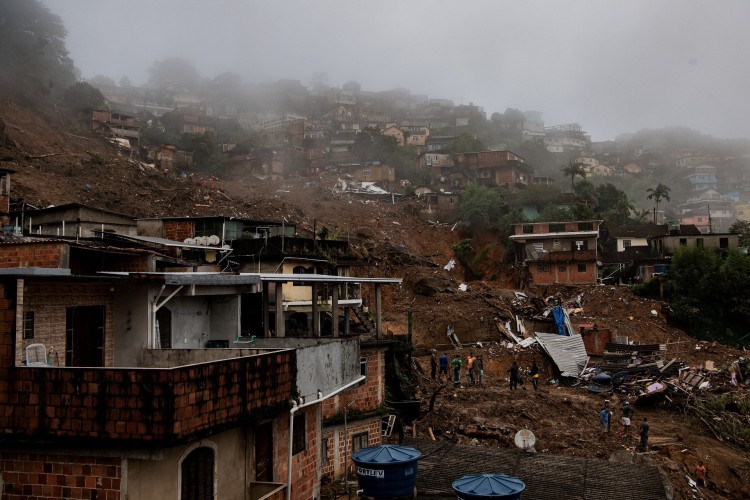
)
(625, 252)
(558, 252)
(495, 168)
(168, 157)
(709, 210)
(111, 123)
(151, 377)
(396, 133)
(382, 174)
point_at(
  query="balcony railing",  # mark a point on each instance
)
(160, 405)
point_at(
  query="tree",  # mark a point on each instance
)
(174, 72)
(573, 169)
(661, 192)
(81, 96)
(33, 57)
(102, 81)
(464, 143)
(741, 227)
(481, 207)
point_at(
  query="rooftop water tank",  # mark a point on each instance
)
(488, 486)
(386, 471)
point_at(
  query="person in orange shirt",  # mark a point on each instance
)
(700, 474)
(470, 367)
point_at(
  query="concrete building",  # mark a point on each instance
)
(558, 252)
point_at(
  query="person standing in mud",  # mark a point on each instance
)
(456, 369)
(627, 414)
(444, 366)
(480, 370)
(470, 360)
(534, 373)
(433, 364)
(643, 431)
(513, 371)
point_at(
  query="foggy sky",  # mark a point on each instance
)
(612, 66)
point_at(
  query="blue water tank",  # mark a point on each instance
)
(386, 471)
(488, 486)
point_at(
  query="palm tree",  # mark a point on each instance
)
(573, 169)
(660, 192)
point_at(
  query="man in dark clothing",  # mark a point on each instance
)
(513, 376)
(643, 431)
(433, 365)
(534, 373)
(444, 365)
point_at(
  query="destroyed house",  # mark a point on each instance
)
(380, 173)
(111, 123)
(626, 255)
(144, 384)
(558, 252)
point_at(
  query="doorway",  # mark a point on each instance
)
(264, 452)
(84, 336)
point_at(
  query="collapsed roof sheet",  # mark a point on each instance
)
(568, 352)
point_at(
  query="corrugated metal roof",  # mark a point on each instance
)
(568, 352)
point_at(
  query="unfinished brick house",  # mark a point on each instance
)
(558, 252)
(495, 168)
(112, 386)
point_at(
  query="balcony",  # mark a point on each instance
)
(292, 247)
(166, 406)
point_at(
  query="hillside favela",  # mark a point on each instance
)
(343, 250)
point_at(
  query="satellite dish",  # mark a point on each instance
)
(525, 439)
(203, 240)
(189, 241)
(213, 240)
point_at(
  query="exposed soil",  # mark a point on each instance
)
(56, 167)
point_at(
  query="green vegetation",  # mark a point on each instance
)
(659, 193)
(36, 68)
(742, 228)
(481, 207)
(709, 293)
(573, 169)
(464, 143)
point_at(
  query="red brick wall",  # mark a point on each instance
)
(48, 255)
(338, 456)
(179, 230)
(571, 275)
(49, 301)
(157, 405)
(30, 475)
(304, 464)
(368, 396)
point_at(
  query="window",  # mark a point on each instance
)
(298, 440)
(557, 228)
(683, 242)
(626, 243)
(561, 269)
(556, 243)
(581, 268)
(301, 270)
(197, 475)
(363, 366)
(542, 268)
(324, 449)
(528, 229)
(723, 243)
(366, 173)
(585, 226)
(699, 242)
(359, 441)
(28, 325)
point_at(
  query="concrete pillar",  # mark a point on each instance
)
(347, 325)
(280, 326)
(315, 311)
(378, 311)
(265, 309)
(335, 310)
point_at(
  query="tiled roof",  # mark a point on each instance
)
(547, 477)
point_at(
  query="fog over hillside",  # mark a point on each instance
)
(613, 67)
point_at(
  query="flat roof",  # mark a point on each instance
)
(539, 236)
(165, 242)
(323, 278)
(192, 278)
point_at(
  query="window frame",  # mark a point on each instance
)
(299, 441)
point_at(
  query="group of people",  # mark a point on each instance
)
(514, 373)
(605, 419)
(474, 368)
